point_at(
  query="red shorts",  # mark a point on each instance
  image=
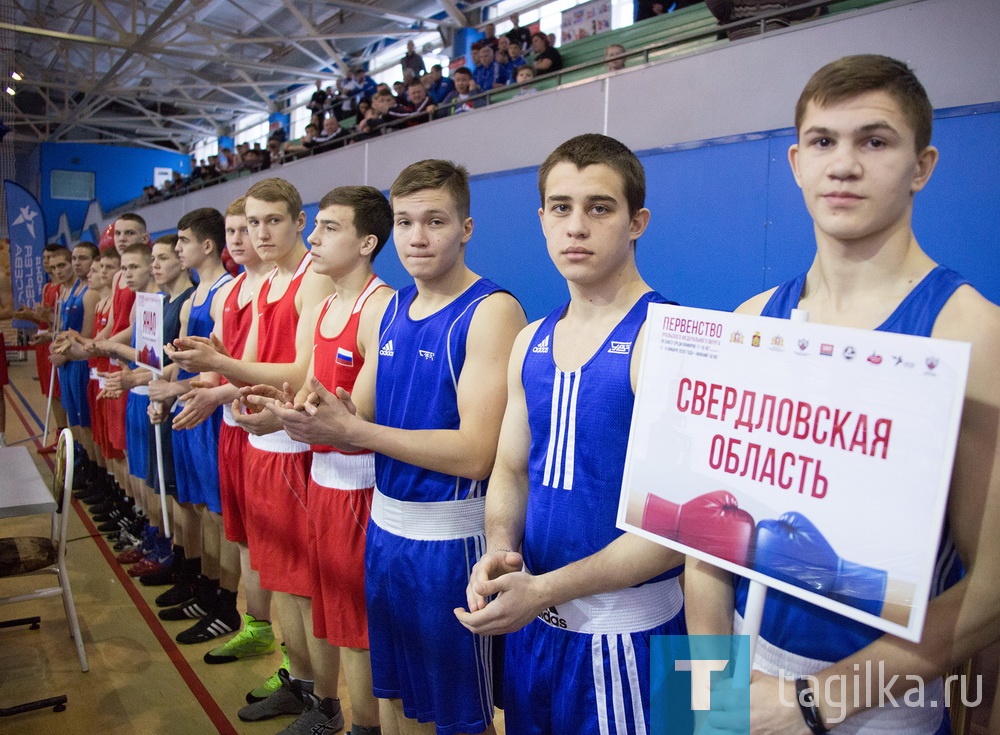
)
(44, 367)
(340, 502)
(277, 476)
(99, 421)
(114, 422)
(232, 465)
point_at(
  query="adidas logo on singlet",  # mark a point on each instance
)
(386, 350)
(542, 346)
(620, 348)
(551, 616)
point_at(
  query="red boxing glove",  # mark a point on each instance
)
(712, 523)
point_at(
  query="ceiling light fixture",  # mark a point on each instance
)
(15, 76)
(10, 91)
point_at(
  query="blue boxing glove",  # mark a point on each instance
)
(793, 550)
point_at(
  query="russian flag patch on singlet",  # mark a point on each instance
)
(345, 357)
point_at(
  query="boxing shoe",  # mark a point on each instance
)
(713, 523)
(793, 550)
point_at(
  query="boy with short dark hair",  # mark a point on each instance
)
(428, 402)
(863, 152)
(589, 596)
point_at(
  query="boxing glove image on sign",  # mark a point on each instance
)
(812, 458)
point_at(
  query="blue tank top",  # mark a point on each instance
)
(72, 307)
(579, 424)
(172, 318)
(797, 626)
(200, 322)
(416, 387)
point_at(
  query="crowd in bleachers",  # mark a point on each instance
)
(356, 108)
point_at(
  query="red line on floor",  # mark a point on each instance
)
(201, 694)
(205, 699)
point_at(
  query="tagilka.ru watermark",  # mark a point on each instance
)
(692, 676)
(870, 686)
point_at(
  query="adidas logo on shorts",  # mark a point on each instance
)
(551, 616)
(620, 348)
(542, 346)
(386, 350)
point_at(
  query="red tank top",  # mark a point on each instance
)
(337, 360)
(101, 317)
(236, 320)
(50, 295)
(279, 320)
(123, 298)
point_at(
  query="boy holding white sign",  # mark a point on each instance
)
(863, 152)
(589, 596)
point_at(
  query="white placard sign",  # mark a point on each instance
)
(149, 338)
(586, 19)
(815, 459)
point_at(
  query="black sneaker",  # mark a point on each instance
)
(180, 594)
(207, 629)
(188, 611)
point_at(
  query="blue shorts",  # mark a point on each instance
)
(137, 434)
(73, 379)
(420, 653)
(152, 465)
(559, 681)
(196, 462)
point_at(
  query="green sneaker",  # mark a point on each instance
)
(255, 639)
(271, 684)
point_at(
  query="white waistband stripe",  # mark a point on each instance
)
(432, 521)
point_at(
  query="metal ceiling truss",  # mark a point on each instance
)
(167, 73)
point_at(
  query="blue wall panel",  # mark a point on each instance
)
(119, 175)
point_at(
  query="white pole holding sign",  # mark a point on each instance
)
(149, 354)
(753, 614)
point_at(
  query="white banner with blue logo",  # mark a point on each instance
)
(26, 229)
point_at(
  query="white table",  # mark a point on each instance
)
(23, 492)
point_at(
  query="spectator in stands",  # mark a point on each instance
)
(399, 91)
(377, 118)
(305, 144)
(614, 55)
(360, 87)
(525, 75)
(517, 34)
(275, 153)
(547, 58)
(489, 74)
(229, 161)
(418, 107)
(364, 107)
(332, 136)
(413, 61)
(489, 39)
(212, 170)
(458, 100)
(242, 151)
(503, 59)
(440, 87)
(728, 11)
(317, 103)
(652, 8)
(516, 58)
